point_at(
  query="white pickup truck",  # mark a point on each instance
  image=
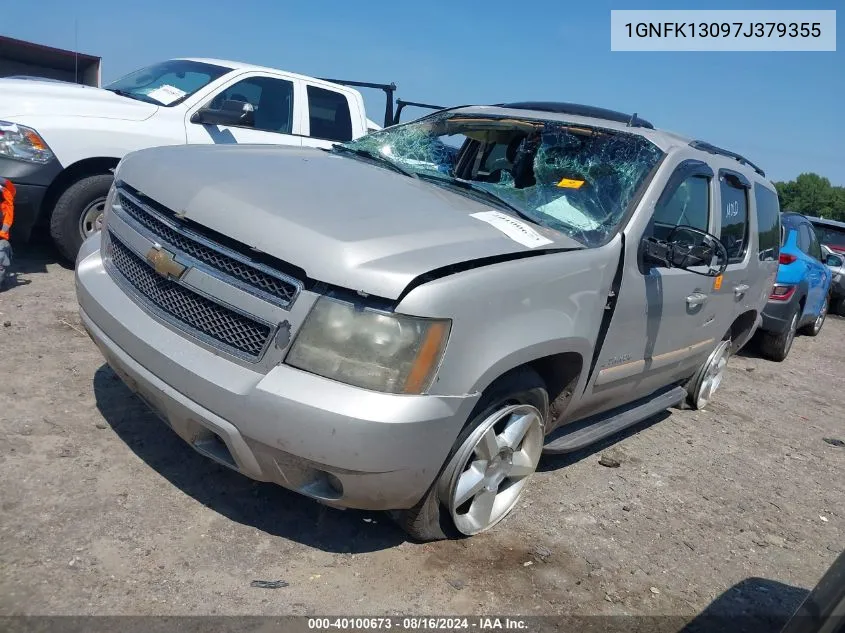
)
(59, 142)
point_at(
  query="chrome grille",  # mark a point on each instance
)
(276, 286)
(240, 334)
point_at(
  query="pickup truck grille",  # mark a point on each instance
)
(252, 276)
(192, 312)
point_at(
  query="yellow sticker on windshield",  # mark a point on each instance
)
(569, 183)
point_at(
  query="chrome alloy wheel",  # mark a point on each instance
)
(91, 219)
(711, 377)
(492, 467)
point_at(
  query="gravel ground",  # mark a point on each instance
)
(105, 511)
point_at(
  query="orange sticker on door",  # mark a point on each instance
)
(717, 283)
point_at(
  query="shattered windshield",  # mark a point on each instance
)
(574, 179)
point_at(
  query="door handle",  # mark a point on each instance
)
(741, 289)
(696, 299)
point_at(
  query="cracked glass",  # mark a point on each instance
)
(574, 179)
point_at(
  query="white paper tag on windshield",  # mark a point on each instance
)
(166, 94)
(515, 229)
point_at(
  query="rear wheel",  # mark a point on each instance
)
(489, 466)
(78, 213)
(776, 346)
(816, 326)
(707, 380)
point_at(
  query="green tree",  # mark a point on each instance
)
(812, 194)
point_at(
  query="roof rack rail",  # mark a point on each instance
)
(712, 149)
(401, 104)
(558, 107)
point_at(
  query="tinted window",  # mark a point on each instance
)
(271, 98)
(734, 219)
(830, 234)
(804, 238)
(768, 222)
(329, 115)
(689, 205)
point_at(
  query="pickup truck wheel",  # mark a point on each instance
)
(708, 378)
(489, 466)
(78, 213)
(816, 326)
(776, 346)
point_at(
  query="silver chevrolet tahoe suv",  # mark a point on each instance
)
(407, 321)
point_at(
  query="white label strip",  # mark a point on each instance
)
(723, 30)
(515, 229)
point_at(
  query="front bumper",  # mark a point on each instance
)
(299, 430)
(31, 182)
(777, 315)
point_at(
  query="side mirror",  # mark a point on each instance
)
(688, 248)
(231, 112)
(834, 261)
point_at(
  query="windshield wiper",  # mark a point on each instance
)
(489, 195)
(132, 95)
(378, 158)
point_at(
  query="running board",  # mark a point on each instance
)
(578, 435)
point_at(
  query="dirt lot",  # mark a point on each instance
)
(105, 511)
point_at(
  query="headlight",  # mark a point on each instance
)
(23, 143)
(375, 350)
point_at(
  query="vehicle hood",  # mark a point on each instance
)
(344, 221)
(25, 97)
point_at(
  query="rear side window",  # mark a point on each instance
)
(768, 222)
(734, 218)
(329, 116)
(831, 235)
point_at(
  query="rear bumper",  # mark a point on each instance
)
(777, 315)
(31, 182)
(296, 429)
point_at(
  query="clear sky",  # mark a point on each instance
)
(784, 111)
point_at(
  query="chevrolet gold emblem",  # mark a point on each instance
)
(164, 264)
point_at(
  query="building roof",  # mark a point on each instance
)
(30, 52)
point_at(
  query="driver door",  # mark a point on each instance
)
(662, 321)
(272, 99)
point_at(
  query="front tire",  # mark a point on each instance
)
(78, 213)
(776, 346)
(489, 465)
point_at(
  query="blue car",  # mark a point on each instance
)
(801, 294)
